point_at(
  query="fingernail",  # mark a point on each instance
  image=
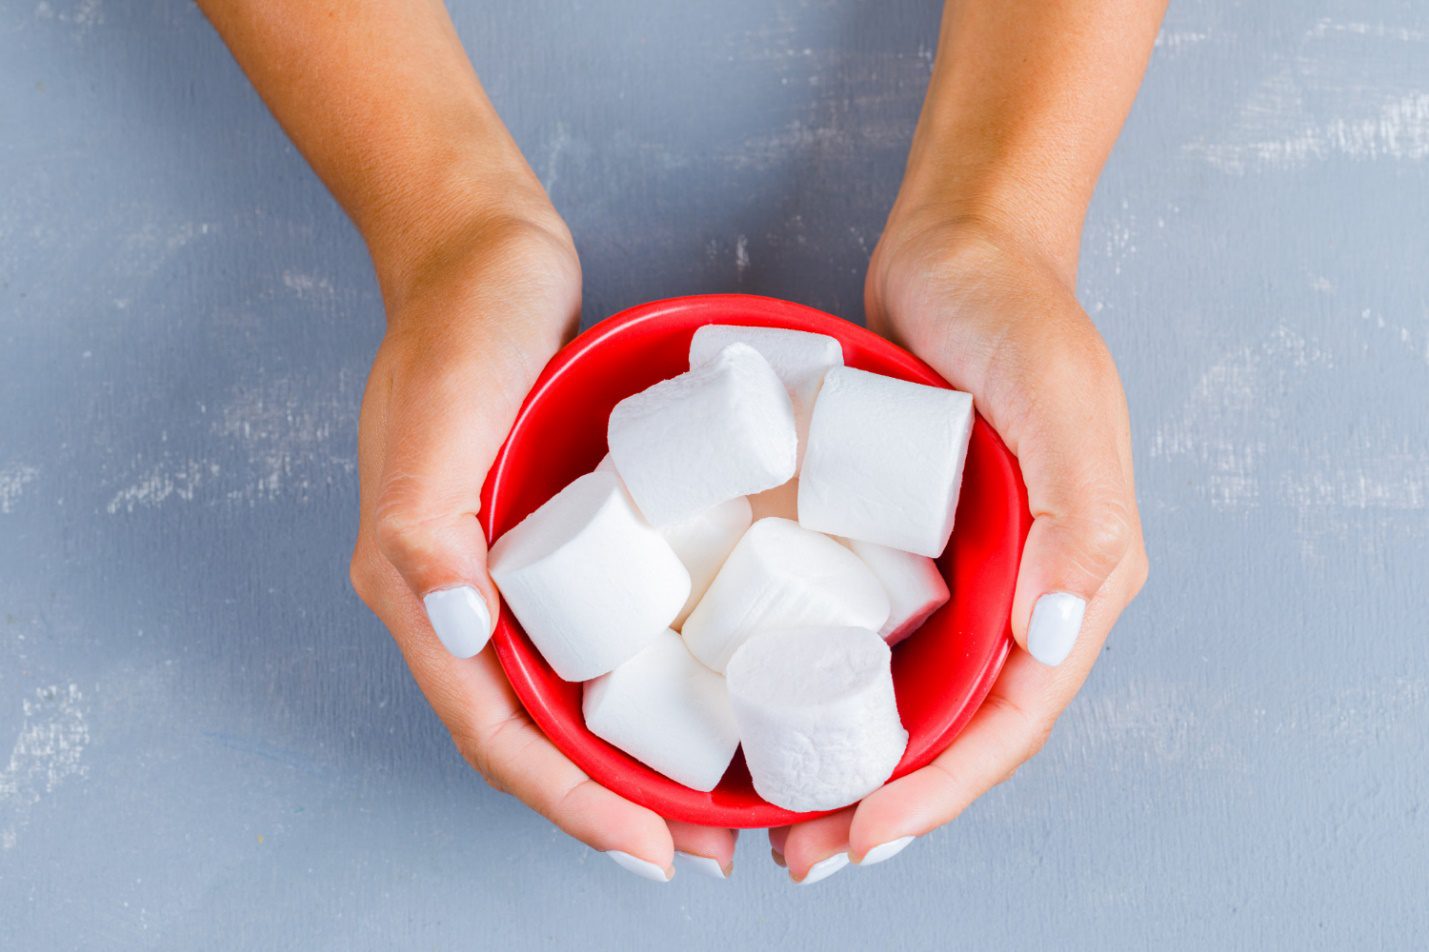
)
(706, 865)
(824, 868)
(460, 619)
(885, 851)
(642, 868)
(1056, 620)
(778, 857)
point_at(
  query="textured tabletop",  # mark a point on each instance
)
(206, 741)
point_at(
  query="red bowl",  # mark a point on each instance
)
(941, 673)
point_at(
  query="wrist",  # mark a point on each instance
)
(483, 251)
(958, 236)
(418, 244)
(505, 277)
(934, 261)
(997, 207)
(437, 190)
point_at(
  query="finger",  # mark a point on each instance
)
(816, 849)
(778, 837)
(519, 759)
(1068, 441)
(1011, 726)
(707, 850)
(1002, 734)
(494, 733)
(443, 426)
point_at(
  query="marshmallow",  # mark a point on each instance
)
(799, 358)
(724, 429)
(817, 715)
(782, 576)
(704, 542)
(781, 502)
(588, 579)
(914, 584)
(885, 461)
(666, 710)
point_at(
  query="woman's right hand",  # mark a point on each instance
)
(470, 325)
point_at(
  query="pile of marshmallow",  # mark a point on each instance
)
(737, 568)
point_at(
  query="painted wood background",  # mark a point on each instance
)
(207, 743)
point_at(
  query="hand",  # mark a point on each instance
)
(470, 326)
(1000, 320)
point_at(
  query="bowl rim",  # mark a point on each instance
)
(518, 656)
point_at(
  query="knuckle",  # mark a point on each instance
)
(357, 576)
(401, 522)
(1073, 348)
(1037, 739)
(1114, 530)
(493, 750)
(477, 756)
(1106, 531)
(362, 573)
(1028, 730)
(1011, 771)
(1068, 352)
(565, 801)
(1140, 571)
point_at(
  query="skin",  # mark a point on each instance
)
(975, 272)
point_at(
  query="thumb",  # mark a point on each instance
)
(448, 412)
(1073, 445)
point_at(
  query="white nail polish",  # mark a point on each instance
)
(1056, 620)
(825, 868)
(642, 868)
(460, 618)
(885, 851)
(705, 865)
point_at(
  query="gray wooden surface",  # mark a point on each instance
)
(207, 743)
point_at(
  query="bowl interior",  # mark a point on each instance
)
(941, 673)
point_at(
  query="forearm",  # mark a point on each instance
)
(381, 99)
(1026, 99)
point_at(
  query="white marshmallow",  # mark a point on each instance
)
(817, 715)
(704, 542)
(782, 576)
(799, 358)
(724, 429)
(885, 461)
(781, 502)
(588, 579)
(666, 710)
(914, 584)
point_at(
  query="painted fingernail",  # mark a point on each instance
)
(640, 867)
(705, 865)
(885, 851)
(1056, 620)
(824, 868)
(778, 858)
(460, 619)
